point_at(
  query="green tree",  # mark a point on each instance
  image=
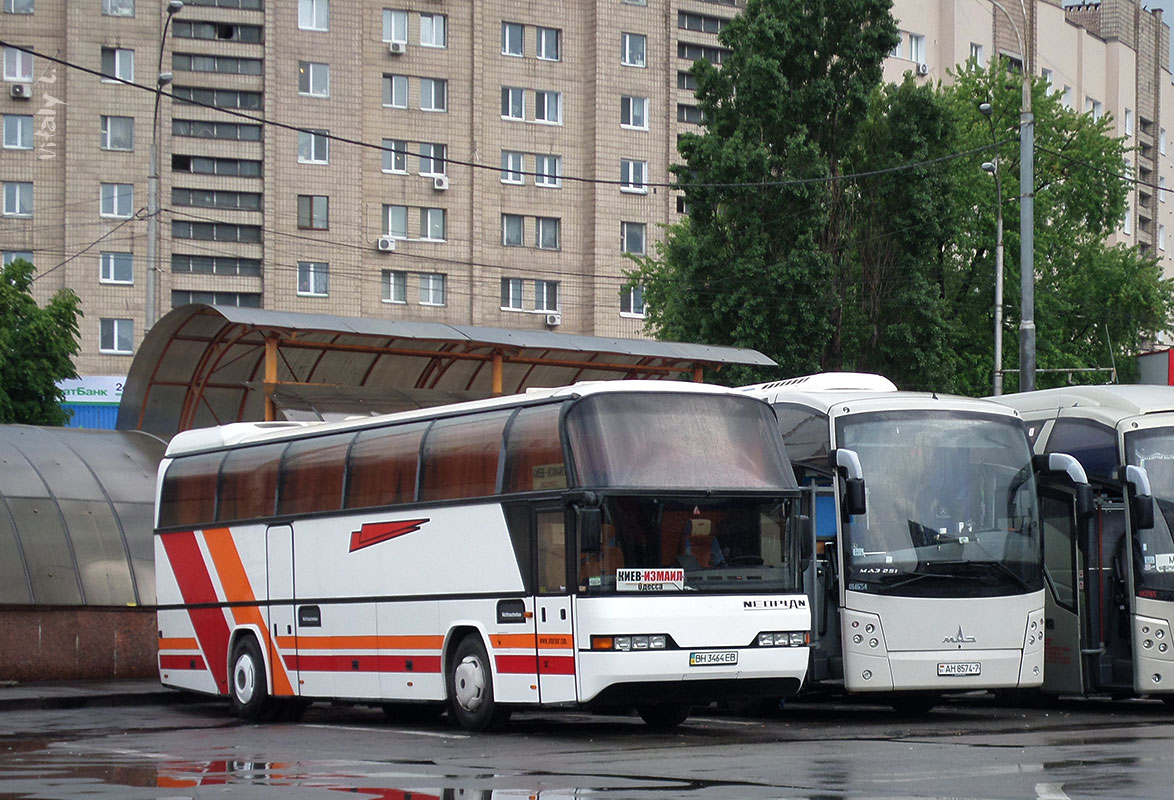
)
(36, 348)
(761, 259)
(1094, 302)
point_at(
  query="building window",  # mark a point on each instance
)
(313, 279)
(181, 297)
(216, 198)
(976, 55)
(689, 113)
(395, 91)
(632, 237)
(513, 102)
(1069, 98)
(8, 256)
(633, 175)
(511, 294)
(314, 212)
(1162, 190)
(395, 155)
(1161, 237)
(547, 230)
(432, 224)
(548, 43)
(116, 336)
(548, 171)
(433, 30)
(633, 46)
(512, 230)
(1048, 76)
(218, 98)
(313, 147)
(1128, 122)
(917, 48)
(314, 15)
(215, 265)
(685, 80)
(18, 65)
(432, 158)
(218, 31)
(118, 133)
(632, 301)
(512, 39)
(203, 165)
(898, 51)
(511, 167)
(395, 25)
(1093, 107)
(216, 232)
(395, 221)
(18, 199)
(313, 79)
(1161, 141)
(118, 8)
(546, 295)
(117, 200)
(431, 289)
(433, 94)
(634, 112)
(18, 132)
(395, 286)
(118, 63)
(548, 107)
(225, 65)
(18, 6)
(116, 268)
(1127, 222)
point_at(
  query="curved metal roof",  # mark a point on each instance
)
(77, 516)
(206, 365)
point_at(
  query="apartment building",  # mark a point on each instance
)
(487, 162)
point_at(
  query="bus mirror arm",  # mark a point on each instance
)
(1067, 465)
(847, 463)
(806, 541)
(1141, 499)
(590, 528)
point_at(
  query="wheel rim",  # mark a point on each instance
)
(469, 683)
(244, 679)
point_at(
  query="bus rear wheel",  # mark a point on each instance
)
(664, 715)
(247, 691)
(470, 688)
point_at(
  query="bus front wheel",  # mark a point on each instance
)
(664, 715)
(470, 688)
(247, 691)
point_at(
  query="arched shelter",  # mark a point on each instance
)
(206, 365)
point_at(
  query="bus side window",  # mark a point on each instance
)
(311, 475)
(534, 452)
(188, 496)
(461, 457)
(248, 482)
(382, 466)
(552, 552)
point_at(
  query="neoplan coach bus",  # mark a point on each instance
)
(928, 570)
(1111, 578)
(625, 544)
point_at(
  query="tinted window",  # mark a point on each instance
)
(461, 456)
(534, 452)
(188, 496)
(311, 475)
(1092, 444)
(382, 466)
(806, 434)
(248, 482)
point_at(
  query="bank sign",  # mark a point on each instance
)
(101, 390)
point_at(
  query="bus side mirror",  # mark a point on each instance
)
(847, 463)
(590, 522)
(1062, 463)
(806, 545)
(1083, 500)
(1141, 499)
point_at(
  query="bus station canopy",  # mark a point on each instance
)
(204, 365)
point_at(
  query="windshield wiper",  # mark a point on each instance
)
(917, 576)
(986, 563)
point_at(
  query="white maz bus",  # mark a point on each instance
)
(1111, 577)
(608, 545)
(928, 569)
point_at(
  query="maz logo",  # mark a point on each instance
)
(959, 638)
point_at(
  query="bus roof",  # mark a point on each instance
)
(205, 439)
(1112, 402)
(823, 391)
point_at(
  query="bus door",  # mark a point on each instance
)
(819, 581)
(553, 622)
(1066, 599)
(280, 615)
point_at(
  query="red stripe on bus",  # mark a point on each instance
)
(364, 663)
(556, 665)
(517, 665)
(182, 662)
(195, 584)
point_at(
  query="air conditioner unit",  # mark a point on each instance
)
(385, 244)
(923, 69)
(397, 48)
(21, 91)
(554, 320)
(440, 182)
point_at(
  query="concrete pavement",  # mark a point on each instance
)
(80, 694)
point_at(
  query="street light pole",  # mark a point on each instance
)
(162, 79)
(993, 168)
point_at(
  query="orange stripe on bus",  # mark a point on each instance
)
(513, 641)
(362, 642)
(179, 644)
(237, 589)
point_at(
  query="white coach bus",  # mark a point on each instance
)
(1110, 578)
(928, 569)
(623, 544)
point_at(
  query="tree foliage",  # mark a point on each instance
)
(36, 348)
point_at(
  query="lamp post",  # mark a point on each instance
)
(1026, 214)
(993, 168)
(162, 79)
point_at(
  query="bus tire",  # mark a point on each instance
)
(664, 715)
(470, 688)
(247, 689)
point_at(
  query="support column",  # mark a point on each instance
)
(270, 377)
(497, 369)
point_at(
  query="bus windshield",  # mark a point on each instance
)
(1153, 549)
(952, 509)
(706, 544)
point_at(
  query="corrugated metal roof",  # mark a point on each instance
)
(205, 365)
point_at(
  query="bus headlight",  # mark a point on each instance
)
(783, 638)
(627, 642)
